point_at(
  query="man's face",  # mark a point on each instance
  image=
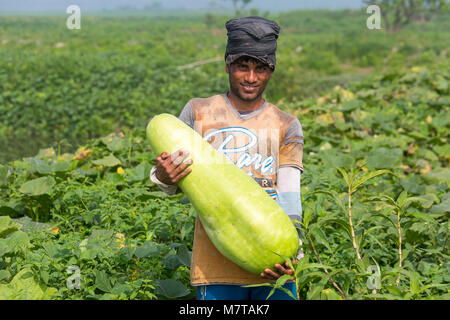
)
(248, 78)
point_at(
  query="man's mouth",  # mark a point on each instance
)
(249, 88)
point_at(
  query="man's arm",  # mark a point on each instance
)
(288, 186)
(289, 195)
(170, 189)
(289, 173)
(187, 116)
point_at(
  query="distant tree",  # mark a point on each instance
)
(398, 13)
(236, 3)
(209, 19)
(156, 5)
(254, 12)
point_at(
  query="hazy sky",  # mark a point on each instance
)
(95, 5)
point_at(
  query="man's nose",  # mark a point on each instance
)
(251, 76)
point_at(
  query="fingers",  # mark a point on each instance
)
(162, 157)
(177, 157)
(180, 172)
(281, 269)
(270, 274)
(273, 275)
(170, 167)
(169, 159)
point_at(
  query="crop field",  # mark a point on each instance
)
(80, 219)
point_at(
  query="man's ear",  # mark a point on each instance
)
(227, 68)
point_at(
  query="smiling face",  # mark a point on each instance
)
(248, 78)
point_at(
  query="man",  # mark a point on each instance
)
(264, 141)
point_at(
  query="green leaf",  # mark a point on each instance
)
(139, 173)
(40, 166)
(340, 222)
(321, 237)
(17, 241)
(414, 283)
(148, 249)
(443, 150)
(334, 195)
(172, 289)
(114, 178)
(280, 283)
(271, 292)
(100, 237)
(153, 195)
(366, 177)
(102, 281)
(170, 261)
(108, 161)
(363, 264)
(385, 158)
(184, 256)
(437, 176)
(337, 160)
(345, 176)
(441, 208)
(329, 294)
(435, 285)
(44, 276)
(413, 184)
(4, 174)
(385, 216)
(28, 225)
(61, 166)
(286, 260)
(39, 186)
(24, 287)
(126, 254)
(401, 200)
(395, 291)
(115, 143)
(283, 279)
(122, 289)
(10, 208)
(51, 249)
(301, 267)
(7, 226)
(307, 213)
(426, 201)
(314, 294)
(4, 274)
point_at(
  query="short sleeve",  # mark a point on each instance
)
(187, 115)
(291, 149)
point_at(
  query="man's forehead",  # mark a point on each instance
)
(250, 60)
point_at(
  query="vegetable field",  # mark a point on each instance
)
(79, 218)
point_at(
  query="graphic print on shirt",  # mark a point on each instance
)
(258, 143)
(239, 145)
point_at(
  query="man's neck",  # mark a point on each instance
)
(242, 105)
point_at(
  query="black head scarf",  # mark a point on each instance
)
(252, 36)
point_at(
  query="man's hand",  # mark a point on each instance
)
(168, 167)
(272, 275)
